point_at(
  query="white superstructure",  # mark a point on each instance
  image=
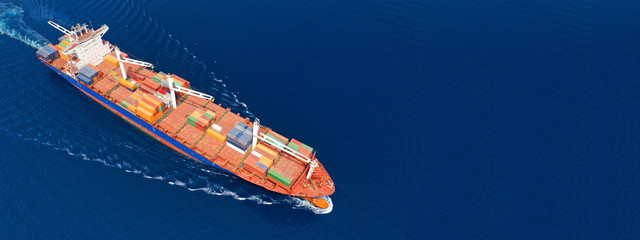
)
(86, 44)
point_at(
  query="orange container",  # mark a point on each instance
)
(146, 115)
(144, 105)
(153, 99)
(131, 107)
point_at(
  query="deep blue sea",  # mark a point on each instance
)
(436, 120)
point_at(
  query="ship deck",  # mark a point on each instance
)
(174, 122)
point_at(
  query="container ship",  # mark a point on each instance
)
(166, 107)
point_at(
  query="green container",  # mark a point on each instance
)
(125, 104)
(157, 79)
(192, 121)
(294, 146)
(277, 176)
(208, 116)
(277, 140)
(306, 147)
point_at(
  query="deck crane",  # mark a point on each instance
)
(62, 29)
(122, 60)
(173, 89)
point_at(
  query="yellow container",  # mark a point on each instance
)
(197, 113)
(111, 59)
(64, 56)
(127, 84)
(266, 149)
(216, 135)
(266, 161)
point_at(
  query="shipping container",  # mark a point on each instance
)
(266, 150)
(88, 72)
(111, 60)
(305, 152)
(293, 146)
(120, 94)
(267, 162)
(189, 135)
(307, 147)
(284, 140)
(85, 79)
(209, 146)
(216, 127)
(279, 178)
(48, 53)
(216, 135)
(172, 123)
(275, 140)
(251, 164)
(105, 85)
(136, 76)
(131, 108)
(230, 157)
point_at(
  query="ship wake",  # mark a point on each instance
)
(194, 177)
(12, 25)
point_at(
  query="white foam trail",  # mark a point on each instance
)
(12, 25)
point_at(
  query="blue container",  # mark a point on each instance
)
(245, 137)
(88, 72)
(241, 146)
(233, 134)
(85, 79)
(48, 53)
(262, 165)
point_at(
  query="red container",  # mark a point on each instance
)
(293, 140)
(230, 156)
(190, 135)
(201, 125)
(216, 108)
(147, 89)
(120, 94)
(172, 123)
(304, 152)
(136, 76)
(228, 121)
(251, 164)
(209, 146)
(151, 84)
(162, 91)
(147, 73)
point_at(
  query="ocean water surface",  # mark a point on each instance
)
(436, 120)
